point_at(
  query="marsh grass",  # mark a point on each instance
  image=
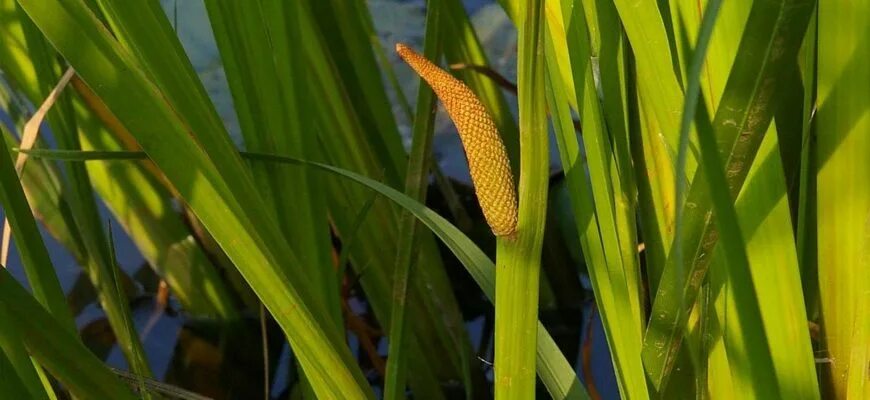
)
(727, 140)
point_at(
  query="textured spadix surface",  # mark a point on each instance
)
(487, 158)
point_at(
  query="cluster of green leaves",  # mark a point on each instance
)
(719, 189)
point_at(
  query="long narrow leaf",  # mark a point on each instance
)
(519, 259)
(158, 232)
(440, 348)
(416, 183)
(744, 113)
(843, 208)
(56, 348)
(79, 194)
(215, 193)
(34, 256)
(600, 218)
(556, 373)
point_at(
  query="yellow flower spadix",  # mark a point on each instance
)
(484, 149)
